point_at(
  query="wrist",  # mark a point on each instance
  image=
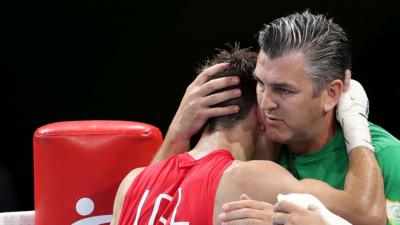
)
(176, 142)
(356, 132)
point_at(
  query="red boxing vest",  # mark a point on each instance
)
(179, 190)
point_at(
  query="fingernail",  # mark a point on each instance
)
(233, 80)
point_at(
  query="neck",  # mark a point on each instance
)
(321, 136)
(236, 141)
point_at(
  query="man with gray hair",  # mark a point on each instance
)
(301, 68)
(300, 73)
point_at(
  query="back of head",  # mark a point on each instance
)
(242, 64)
(323, 43)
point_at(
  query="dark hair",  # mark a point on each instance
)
(242, 64)
(323, 43)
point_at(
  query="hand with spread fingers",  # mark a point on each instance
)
(196, 108)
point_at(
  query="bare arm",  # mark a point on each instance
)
(263, 180)
(120, 196)
(194, 110)
(363, 193)
(364, 189)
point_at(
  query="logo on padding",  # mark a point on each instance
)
(84, 207)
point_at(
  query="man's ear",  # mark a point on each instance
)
(332, 95)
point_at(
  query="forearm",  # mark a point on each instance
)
(364, 189)
(172, 145)
(362, 200)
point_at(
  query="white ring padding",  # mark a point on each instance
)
(18, 218)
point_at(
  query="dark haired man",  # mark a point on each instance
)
(183, 188)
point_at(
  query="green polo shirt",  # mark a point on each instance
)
(330, 164)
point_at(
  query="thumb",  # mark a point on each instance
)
(244, 197)
(347, 78)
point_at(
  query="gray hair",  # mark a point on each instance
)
(323, 43)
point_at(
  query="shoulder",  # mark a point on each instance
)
(121, 193)
(259, 179)
(387, 151)
(133, 173)
(387, 147)
(256, 167)
(253, 167)
(382, 139)
(127, 181)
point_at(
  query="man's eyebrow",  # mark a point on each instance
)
(275, 84)
(286, 86)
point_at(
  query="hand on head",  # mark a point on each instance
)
(347, 78)
(195, 108)
(352, 114)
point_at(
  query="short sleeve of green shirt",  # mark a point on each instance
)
(330, 164)
(387, 151)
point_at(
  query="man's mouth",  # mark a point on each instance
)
(271, 117)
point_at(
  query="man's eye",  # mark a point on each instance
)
(284, 91)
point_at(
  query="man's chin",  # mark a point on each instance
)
(276, 136)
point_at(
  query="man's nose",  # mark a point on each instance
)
(268, 100)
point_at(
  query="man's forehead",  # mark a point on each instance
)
(261, 56)
(291, 62)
